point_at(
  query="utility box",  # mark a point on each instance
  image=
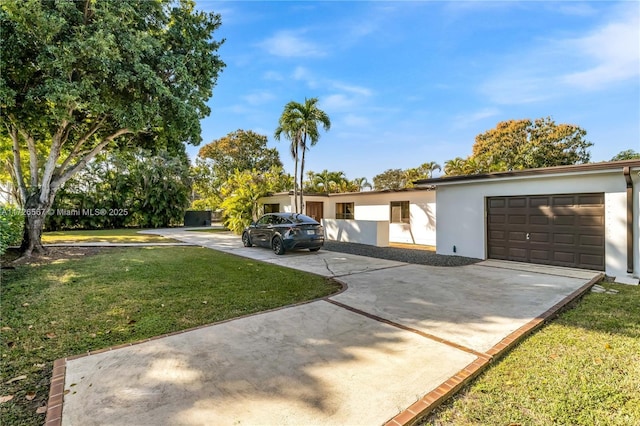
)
(197, 218)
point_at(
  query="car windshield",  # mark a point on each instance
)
(300, 218)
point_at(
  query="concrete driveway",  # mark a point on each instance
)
(397, 342)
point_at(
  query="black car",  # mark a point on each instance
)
(284, 231)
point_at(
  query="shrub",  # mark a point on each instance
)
(11, 226)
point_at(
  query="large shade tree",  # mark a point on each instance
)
(524, 144)
(84, 76)
(217, 161)
(299, 124)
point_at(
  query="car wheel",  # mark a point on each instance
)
(246, 239)
(277, 246)
(314, 249)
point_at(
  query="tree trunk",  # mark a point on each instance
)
(303, 149)
(35, 215)
(295, 180)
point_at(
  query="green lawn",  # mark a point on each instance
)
(124, 295)
(102, 235)
(581, 369)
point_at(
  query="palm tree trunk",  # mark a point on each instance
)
(295, 178)
(303, 147)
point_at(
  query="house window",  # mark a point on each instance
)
(344, 211)
(399, 212)
(271, 208)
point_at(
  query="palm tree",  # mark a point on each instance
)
(286, 127)
(431, 167)
(360, 183)
(455, 167)
(299, 122)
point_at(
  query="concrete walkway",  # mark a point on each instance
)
(397, 342)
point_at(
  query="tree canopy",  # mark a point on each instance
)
(328, 182)
(524, 144)
(243, 189)
(241, 150)
(628, 154)
(154, 187)
(80, 77)
(219, 160)
(399, 179)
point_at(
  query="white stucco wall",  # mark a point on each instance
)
(376, 206)
(461, 211)
(371, 232)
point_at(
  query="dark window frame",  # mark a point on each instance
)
(345, 210)
(268, 208)
(405, 212)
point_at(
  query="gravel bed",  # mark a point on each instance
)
(420, 257)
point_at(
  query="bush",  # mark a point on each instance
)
(11, 226)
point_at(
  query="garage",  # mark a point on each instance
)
(584, 216)
(559, 229)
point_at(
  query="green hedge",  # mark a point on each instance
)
(11, 226)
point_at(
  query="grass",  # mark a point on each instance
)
(102, 235)
(581, 369)
(124, 295)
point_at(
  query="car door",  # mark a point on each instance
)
(260, 235)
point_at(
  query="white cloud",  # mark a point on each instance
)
(604, 56)
(272, 76)
(613, 51)
(337, 102)
(465, 120)
(259, 98)
(357, 90)
(353, 120)
(288, 44)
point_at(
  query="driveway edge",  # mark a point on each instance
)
(432, 400)
(56, 387)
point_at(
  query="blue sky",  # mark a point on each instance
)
(406, 83)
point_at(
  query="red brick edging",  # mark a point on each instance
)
(436, 397)
(409, 416)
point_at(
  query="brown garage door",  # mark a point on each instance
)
(561, 230)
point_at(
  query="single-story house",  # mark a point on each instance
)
(370, 217)
(583, 216)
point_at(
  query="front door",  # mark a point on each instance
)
(315, 210)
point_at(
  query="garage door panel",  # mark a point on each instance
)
(516, 202)
(564, 239)
(564, 220)
(588, 199)
(539, 237)
(564, 256)
(591, 221)
(496, 235)
(497, 218)
(562, 229)
(539, 201)
(539, 219)
(591, 259)
(563, 200)
(497, 203)
(517, 219)
(539, 255)
(592, 240)
(517, 236)
(517, 254)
